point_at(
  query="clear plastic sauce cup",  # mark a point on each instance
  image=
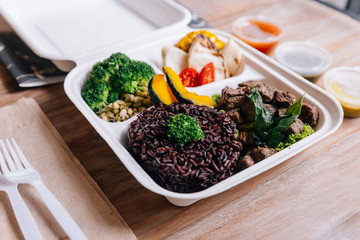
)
(258, 31)
(305, 58)
(344, 84)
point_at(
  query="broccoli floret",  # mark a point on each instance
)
(115, 62)
(96, 89)
(95, 93)
(132, 78)
(182, 128)
(100, 74)
(114, 77)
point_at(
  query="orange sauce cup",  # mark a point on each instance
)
(258, 31)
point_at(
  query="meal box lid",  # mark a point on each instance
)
(80, 29)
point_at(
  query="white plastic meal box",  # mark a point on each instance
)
(88, 31)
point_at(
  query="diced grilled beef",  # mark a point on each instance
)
(309, 114)
(229, 92)
(270, 107)
(245, 126)
(223, 95)
(281, 111)
(283, 99)
(260, 153)
(296, 127)
(236, 116)
(247, 109)
(266, 92)
(250, 83)
(246, 138)
(232, 102)
(240, 91)
(246, 161)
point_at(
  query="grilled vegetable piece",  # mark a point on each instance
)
(202, 52)
(160, 91)
(186, 41)
(189, 77)
(180, 92)
(207, 74)
(233, 57)
(175, 58)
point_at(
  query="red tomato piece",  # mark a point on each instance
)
(189, 77)
(207, 74)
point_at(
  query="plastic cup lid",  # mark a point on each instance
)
(344, 84)
(304, 58)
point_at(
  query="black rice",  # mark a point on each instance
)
(194, 166)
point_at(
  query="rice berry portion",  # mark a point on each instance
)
(196, 165)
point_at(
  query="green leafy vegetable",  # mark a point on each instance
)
(263, 118)
(182, 128)
(266, 130)
(295, 137)
(236, 131)
(283, 122)
(216, 98)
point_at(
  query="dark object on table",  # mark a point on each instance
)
(350, 7)
(28, 69)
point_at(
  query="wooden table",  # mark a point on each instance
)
(314, 195)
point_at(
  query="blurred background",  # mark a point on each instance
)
(349, 7)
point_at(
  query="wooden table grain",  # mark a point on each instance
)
(313, 195)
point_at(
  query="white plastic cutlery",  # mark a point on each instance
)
(19, 171)
(22, 213)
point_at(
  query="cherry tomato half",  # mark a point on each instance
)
(207, 74)
(189, 77)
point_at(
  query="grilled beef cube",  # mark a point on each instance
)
(223, 95)
(281, 111)
(240, 91)
(229, 92)
(250, 83)
(246, 138)
(247, 161)
(245, 126)
(309, 114)
(266, 92)
(296, 127)
(270, 107)
(232, 103)
(236, 116)
(283, 99)
(247, 109)
(260, 153)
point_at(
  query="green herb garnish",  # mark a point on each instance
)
(295, 137)
(283, 122)
(266, 130)
(263, 118)
(182, 128)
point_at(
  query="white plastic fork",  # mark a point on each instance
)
(19, 171)
(23, 216)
